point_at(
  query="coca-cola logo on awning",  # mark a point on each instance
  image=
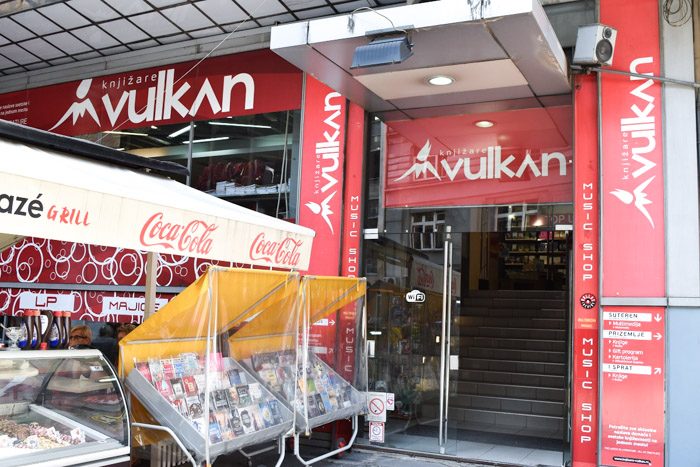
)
(285, 252)
(193, 237)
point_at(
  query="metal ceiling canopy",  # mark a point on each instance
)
(508, 53)
(38, 35)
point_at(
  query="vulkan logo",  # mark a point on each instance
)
(161, 100)
(328, 158)
(642, 128)
(490, 166)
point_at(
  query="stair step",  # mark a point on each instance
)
(519, 303)
(510, 312)
(512, 391)
(514, 354)
(507, 404)
(512, 420)
(521, 294)
(514, 366)
(513, 333)
(509, 343)
(508, 377)
(510, 322)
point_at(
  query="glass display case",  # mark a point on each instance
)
(61, 407)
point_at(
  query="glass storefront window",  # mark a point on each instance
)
(248, 160)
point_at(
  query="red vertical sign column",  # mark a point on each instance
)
(352, 222)
(632, 400)
(584, 410)
(321, 193)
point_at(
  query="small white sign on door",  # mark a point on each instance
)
(376, 432)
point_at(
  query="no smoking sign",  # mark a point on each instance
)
(376, 403)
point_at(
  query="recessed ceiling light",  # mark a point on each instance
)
(244, 125)
(180, 131)
(484, 123)
(208, 140)
(441, 80)
(125, 133)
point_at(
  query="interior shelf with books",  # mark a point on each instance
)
(535, 255)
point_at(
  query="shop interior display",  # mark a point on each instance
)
(58, 406)
(238, 404)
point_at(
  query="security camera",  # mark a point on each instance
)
(595, 45)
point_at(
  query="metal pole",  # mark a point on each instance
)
(151, 283)
(441, 422)
(448, 336)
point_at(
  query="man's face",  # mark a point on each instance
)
(245, 418)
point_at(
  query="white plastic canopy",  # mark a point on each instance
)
(49, 194)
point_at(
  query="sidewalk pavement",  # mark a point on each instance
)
(356, 458)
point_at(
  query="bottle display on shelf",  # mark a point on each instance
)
(238, 404)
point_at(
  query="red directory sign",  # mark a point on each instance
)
(633, 386)
(633, 179)
(584, 407)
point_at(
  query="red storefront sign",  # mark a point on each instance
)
(584, 410)
(633, 184)
(241, 84)
(321, 193)
(352, 221)
(322, 165)
(633, 386)
(525, 157)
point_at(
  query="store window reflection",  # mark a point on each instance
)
(246, 160)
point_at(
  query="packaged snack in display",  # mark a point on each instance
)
(255, 391)
(156, 370)
(168, 368)
(178, 388)
(219, 399)
(236, 424)
(144, 369)
(266, 414)
(244, 395)
(190, 385)
(275, 411)
(247, 421)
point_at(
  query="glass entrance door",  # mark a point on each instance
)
(412, 337)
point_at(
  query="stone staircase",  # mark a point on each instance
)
(512, 363)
